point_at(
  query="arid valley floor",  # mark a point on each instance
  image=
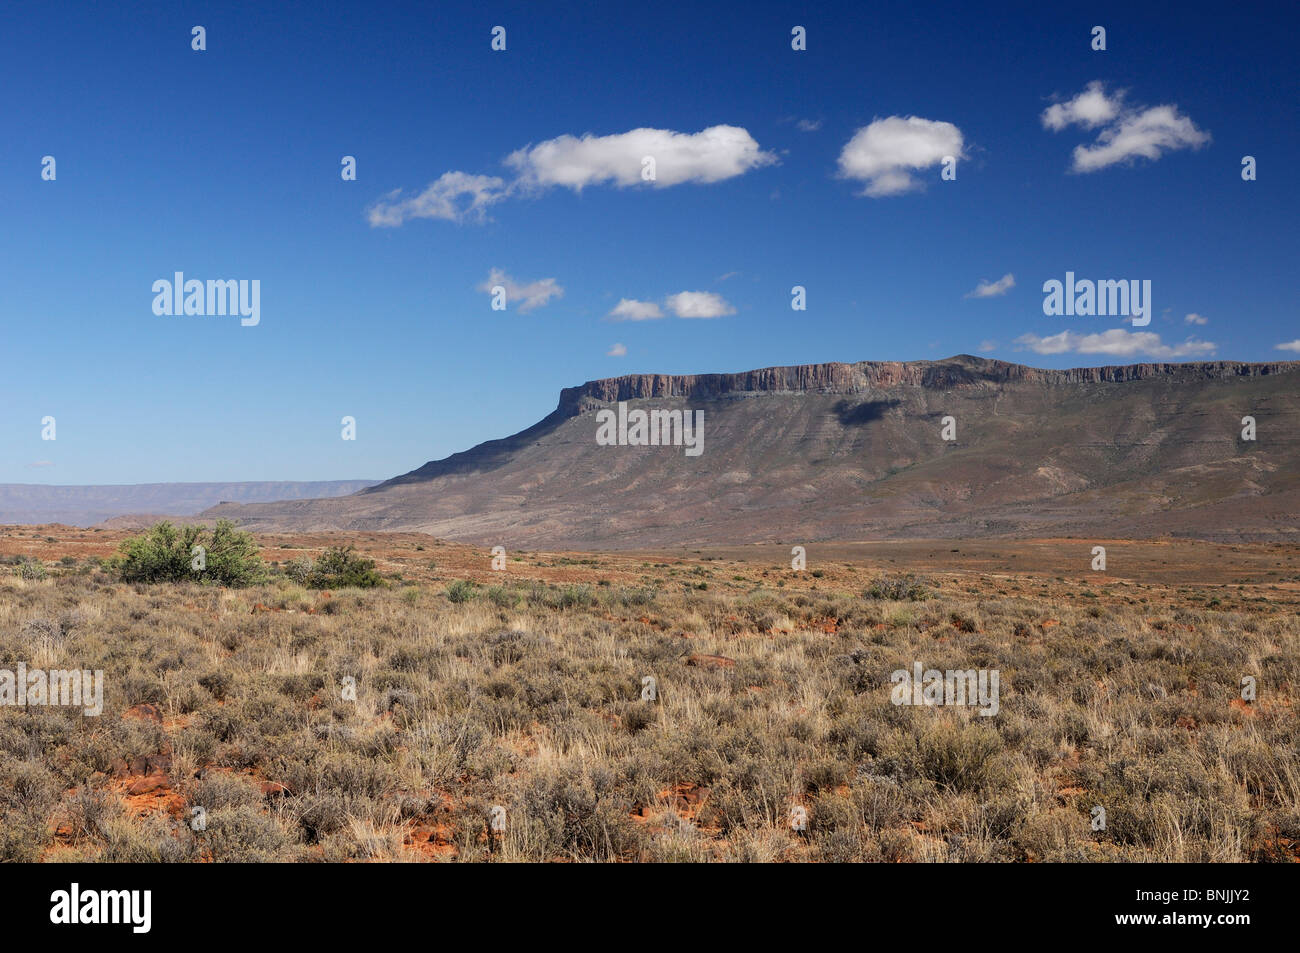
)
(522, 688)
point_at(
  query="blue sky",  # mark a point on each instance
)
(225, 163)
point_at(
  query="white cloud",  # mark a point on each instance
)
(1288, 346)
(712, 155)
(35, 464)
(617, 350)
(883, 153)
(1091, 108)
(455, 196)
(1116, 342)
(808, 125)
(986, 346)
(1146, 134)
(1195, 318)
(698, 304)
(629, 309)
(686, 304)
(992, 289)
(1128, 132)
(531, 295)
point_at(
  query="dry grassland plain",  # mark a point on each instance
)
(228, 732)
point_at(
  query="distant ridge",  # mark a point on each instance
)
(89, 505)
(845, 451)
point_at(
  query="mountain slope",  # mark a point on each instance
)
(854, 451)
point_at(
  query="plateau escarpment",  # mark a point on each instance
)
(857, 451)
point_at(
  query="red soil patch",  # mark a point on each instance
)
(431, 840)
(144, 712)
(431, 835)
(150, 794)
(685, 800)
(1280, 849)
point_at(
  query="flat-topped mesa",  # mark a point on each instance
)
(854, 451)
(963, 370)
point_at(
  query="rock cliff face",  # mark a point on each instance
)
(961, 371)
(854, 451)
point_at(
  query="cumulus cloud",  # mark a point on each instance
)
(1091, 108)
(712, 155)
(992, 289)
(1146, 134)
(884, 153)
(529, 295)
(1288, 345)
(1127, 133)
(698, 304)
(629, 309)
(1195, 318)
(455, 196)
(1116, 342)
(617, 350)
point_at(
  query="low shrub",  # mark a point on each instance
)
(221, 555)
(901, 589)
(462, 590)
(339, 567)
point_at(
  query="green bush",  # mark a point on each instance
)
(30, 569)
(167, 554)
(462, 590)
(503, 598)
(341, 566)
(300, 570)
(576, 596)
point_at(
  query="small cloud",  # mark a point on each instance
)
(992, 289)
(884, 154)
(1195, 318)
(1127, 132)
(1116, 342)
(730, 274)
(455, 197)
(1288, 346)
(698, 304)
(1091, 108)
(808, 125)
(629, 309)
(533, 294)
(36, 464)
(986, 346)
(618, 350)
